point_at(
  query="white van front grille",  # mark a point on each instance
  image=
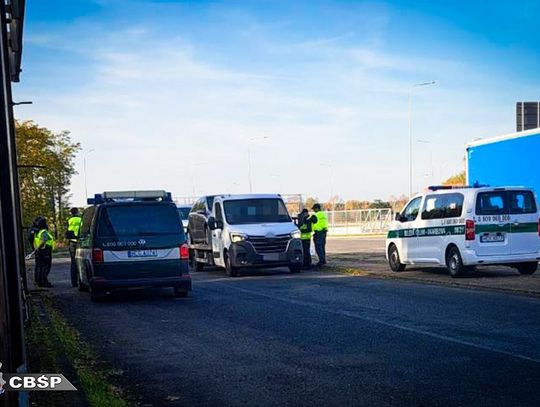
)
(263, 244)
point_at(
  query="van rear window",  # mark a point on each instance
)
(505, 202)
(139, 220)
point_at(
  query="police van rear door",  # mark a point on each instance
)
(523, 213)
(492, 223)
(140, 232)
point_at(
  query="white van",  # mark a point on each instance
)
(250, 231)
(461, 228)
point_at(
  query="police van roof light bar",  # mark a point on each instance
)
(111, 196)
(442, 187)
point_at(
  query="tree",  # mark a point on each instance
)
(310, 201)
(458, 179)
(397, 203)
(378, 204)
(46, 162)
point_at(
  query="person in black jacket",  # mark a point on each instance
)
(305, 224)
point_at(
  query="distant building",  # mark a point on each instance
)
(527, 115)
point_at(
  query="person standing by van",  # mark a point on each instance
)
(305, 224)
(72, 234)
(320, 229)
(43, 245)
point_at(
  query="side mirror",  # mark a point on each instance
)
(212, 224)
(398, 217)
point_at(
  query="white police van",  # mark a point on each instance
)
(464, 227)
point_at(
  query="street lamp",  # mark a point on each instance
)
(280, 179)
(410, 133)
(84, 166)
(430, 157)
(249, 159)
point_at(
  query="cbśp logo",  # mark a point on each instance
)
(2, 382)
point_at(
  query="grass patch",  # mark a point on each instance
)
(52, 340)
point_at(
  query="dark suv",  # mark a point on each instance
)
(132, 239)
(198, 230)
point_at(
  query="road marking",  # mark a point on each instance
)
(381, 322)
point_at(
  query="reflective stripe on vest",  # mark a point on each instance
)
(74, 224)
(322, 222)
(49, 241)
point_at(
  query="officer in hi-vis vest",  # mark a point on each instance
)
(320, 229)
(305, 224)
(43, 246)
(74, 226)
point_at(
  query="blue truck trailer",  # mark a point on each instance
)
(510, 160)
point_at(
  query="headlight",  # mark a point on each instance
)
(296, 234)
(238, 237)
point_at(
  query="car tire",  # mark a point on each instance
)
(96, 295)
(80, 285)
(180, 292)
(229, 269)
(454, 263)
(207, 235)
(196, 265)
(295, 268)
(199, 266)
(394, 260)
(527, 268)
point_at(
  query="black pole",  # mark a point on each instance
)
(12, 266)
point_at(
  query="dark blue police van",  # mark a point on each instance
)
(132, 239)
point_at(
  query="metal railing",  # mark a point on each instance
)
(361, 221)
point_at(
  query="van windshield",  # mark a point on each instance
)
(138, 220)
(245, 211)
(184, 212)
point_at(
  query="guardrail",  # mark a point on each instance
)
(359, 222)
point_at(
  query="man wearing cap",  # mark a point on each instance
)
(320, 229)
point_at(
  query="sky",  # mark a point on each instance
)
(177, 95)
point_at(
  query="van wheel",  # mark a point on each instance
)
(527, 268)
(180, 293)
(96, 295)
(295, 268)
(196, 265)
(393, 259)
(454, 263)
(229, 269)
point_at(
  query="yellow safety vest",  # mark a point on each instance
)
(74, 225)
(49, 241)
(322, 222)
(305, 232)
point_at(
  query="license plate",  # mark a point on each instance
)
(142, 253)
(492, 238)
(271, 257)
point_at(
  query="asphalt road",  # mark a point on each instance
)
(273, 339)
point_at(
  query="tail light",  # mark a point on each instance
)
(184, 252)
(469, 230)
(97, 255)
